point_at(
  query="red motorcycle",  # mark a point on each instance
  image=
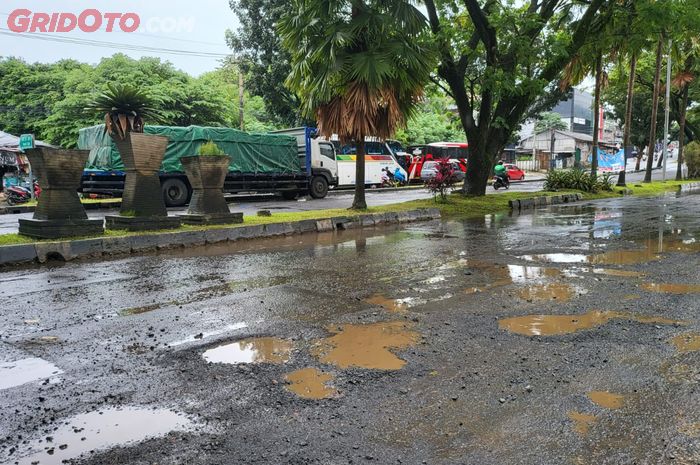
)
(17, 195)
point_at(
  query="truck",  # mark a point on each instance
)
(260, 163)
(332, 160)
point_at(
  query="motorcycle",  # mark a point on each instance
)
(17, 195)
(499, 182)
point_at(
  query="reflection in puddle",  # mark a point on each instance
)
(102, 430)
(612, 257)
(607, 399)
(554, 291)
(25, 371)
(525, 274)
(310, 383)
(689, 342)
(618, 273)
(582, 422)
(366, 346)
(672, 288)
(257, 350)
(557, 258)
(555, 325)
(393, 305)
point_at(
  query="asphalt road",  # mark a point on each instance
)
(566, 336)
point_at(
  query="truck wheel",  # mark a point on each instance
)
(175, 192)
(319, 187)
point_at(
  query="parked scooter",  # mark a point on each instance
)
(17, 195)
(499, 182)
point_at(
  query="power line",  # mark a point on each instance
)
(114, 45)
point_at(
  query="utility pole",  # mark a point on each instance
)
(668, 107)
(240, 98)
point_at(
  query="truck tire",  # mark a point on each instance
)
(319, 187)
(175, 192)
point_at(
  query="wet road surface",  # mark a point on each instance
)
(566, 336)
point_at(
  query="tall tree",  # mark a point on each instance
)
(258, 45)
(498, 58)
(654, 109)
(359, 67)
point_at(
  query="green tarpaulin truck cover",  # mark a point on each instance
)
(250, 153)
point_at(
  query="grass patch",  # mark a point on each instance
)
(457, 206)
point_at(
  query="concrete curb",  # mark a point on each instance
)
(13, 210)
(691, 186)
(110, 246)
(543, 201)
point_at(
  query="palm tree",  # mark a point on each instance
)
(359, 68)
(654, 108)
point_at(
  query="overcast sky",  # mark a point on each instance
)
(197, 26)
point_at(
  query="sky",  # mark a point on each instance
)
(195, 27)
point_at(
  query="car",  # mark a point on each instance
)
(430, 168)
(515, 173)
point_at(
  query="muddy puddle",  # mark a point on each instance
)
(611, 257)
(254, 350)
(27, 370)
(556, 325)
(101, 430)
(689, 342)
(392, 305)
(668, 288)
(692, 430)
(310, 383)
(561, 292)
(607, 399)
(139, 310)
(582, 422)
(366, 346)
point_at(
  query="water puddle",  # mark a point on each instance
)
(607, 399)
(611, 257)
(525, 274)
(680, 373)
(617, 273)
(204, 335)
(366, 346)
(555, 291)
(256, 350)
(628, 297)
(310, 383)
(582, 422)
(392, 305)
(689, 342)
(25, 371)
(139, 310)
(666, 288)
(102, 430)
(557, 258)
(556, 325)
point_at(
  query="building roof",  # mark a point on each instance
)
(571, 135)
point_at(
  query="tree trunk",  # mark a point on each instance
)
(596, 112)
(622, 179)
(359, 202)
(654, 111)
(681, 136)
(479, 168)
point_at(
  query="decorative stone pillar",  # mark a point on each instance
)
(59, 212)
(207, 175)
(143, 207)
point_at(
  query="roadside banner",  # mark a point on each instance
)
(610, 162)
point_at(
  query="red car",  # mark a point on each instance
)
(515, 173)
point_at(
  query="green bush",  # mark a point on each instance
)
(577, 179)
(691, 154)
(210, 149)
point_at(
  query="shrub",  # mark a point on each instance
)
(210, 149)
(443, 182)
(691, 154)
(578, 179)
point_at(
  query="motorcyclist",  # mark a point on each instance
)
(501, 173)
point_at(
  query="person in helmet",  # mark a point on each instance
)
(501, 172)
